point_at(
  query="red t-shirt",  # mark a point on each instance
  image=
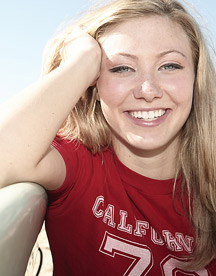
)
(108, 220)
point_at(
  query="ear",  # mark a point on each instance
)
(98, 97)
(97, 94)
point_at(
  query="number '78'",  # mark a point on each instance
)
(142, 258)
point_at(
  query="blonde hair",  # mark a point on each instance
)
(197, 152)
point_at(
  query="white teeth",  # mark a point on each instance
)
(148, 116)
(151, 115)
(139, 114)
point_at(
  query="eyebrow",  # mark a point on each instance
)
(159, 55)
(171, 51)
(126, 55)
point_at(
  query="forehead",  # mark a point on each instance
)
(158, 33)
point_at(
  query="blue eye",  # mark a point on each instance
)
(120, 69)
(171, 66)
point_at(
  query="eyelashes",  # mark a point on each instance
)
(165, 67)
(121, 69)
(171, 67)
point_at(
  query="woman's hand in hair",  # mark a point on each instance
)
(79, 41)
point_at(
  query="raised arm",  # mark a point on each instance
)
(30, 121)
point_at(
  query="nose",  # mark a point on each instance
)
(147, 89)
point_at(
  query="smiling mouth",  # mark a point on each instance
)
(148, 115)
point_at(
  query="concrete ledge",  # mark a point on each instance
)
(22, 211)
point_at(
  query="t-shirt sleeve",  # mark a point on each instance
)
(69, 151)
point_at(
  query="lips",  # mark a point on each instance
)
(148, 115)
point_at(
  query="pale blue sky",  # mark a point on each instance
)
(26, 26)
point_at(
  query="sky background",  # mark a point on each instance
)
(27, 25)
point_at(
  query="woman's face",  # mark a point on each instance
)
(146, 83)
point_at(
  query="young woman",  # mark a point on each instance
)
(128, 104)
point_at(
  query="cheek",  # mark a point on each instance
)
(180, 90)
(111, 91)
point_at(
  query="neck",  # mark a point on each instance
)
(160, 164)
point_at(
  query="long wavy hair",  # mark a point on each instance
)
(197, 151)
